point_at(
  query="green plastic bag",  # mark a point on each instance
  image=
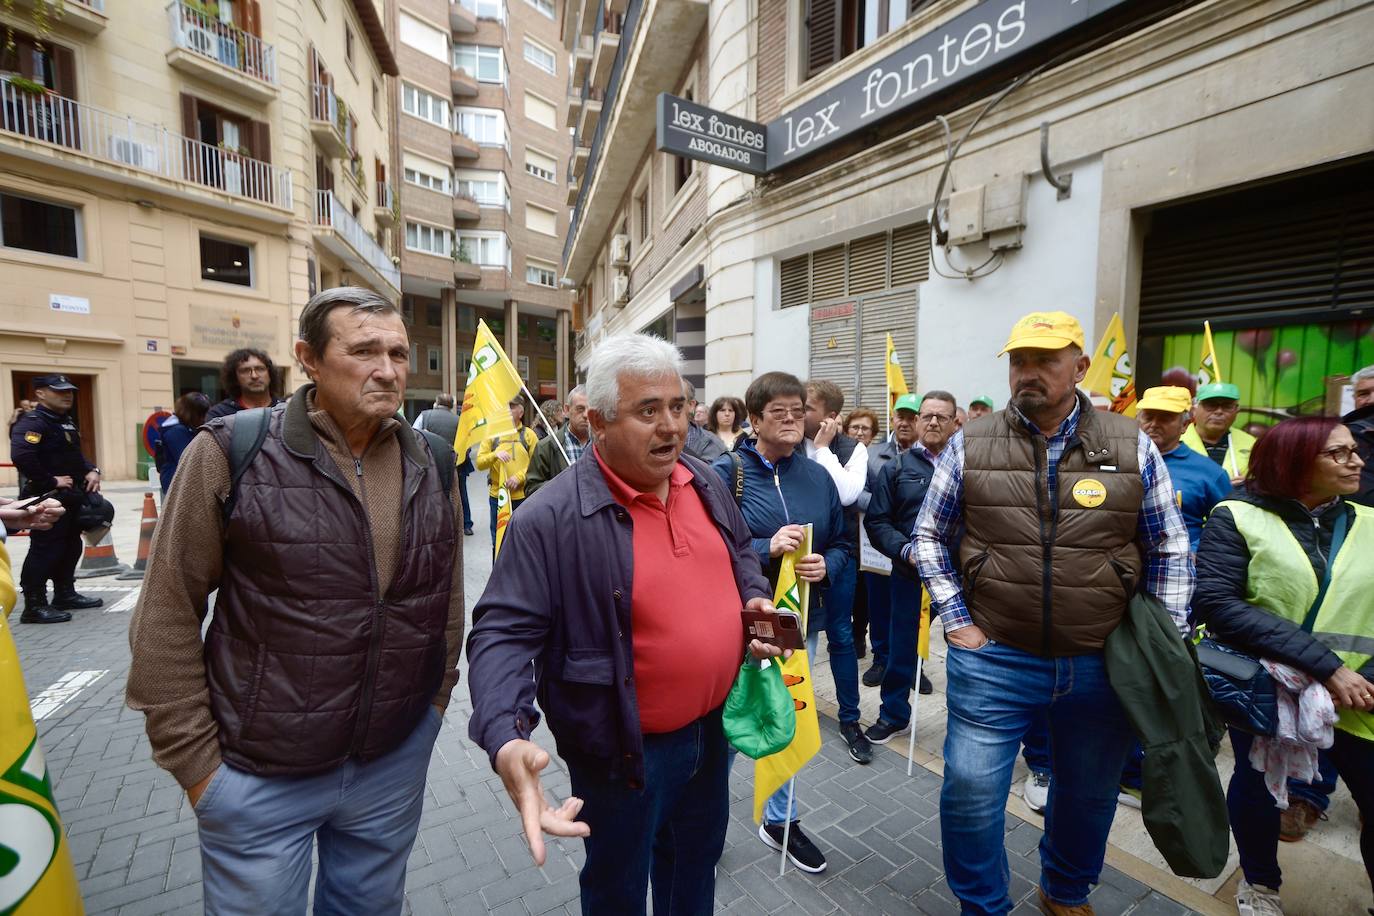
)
(759, 716)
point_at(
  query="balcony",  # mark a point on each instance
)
(464, 147)
(581, 60)
(462, 84)
(603, 56)
(580, 156)
(461, 20)
(574, 109)
(464, 271)
(86, 16)
(573, 186)
(328, 121)
(222, 53)
(387, 210)
(65, 131)
(340, 233)
(466, 208)
(591, 113)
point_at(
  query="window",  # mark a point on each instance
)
(467, 319)
(489, 189)
(831, 30)
(36, 225)
(487, 249)
(486, 126)
(434, 314)
(488, 9)
(422, 105)
(427, 174)
(539, 273)
(435, 357)
(541, 165)
(226, 261)
(540, 111)
(428, 239)
(482, 62)
(376, 99)
(537, 219)
(541, 57)
(641, 215)
(682, 166)
(424, 37)
(413, 359)
(544, 6)
(41, 61)
(348, 45)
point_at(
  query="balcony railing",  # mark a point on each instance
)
(324, 104)
(330, 211)
(224, 42)
(386, 197)
(126, 141)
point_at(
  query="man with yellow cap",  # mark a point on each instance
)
(1218, 404)
(1199, 482)
(1065, 512)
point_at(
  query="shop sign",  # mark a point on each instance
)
(696, 132)
(966, 47)
(228, 329)
(75, 305)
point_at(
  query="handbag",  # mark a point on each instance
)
(1242, 691)
(759, 717)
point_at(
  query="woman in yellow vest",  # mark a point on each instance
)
(506, 459)
(1284, 572)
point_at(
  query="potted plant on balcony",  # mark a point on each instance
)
(27, 86)
(460, 253)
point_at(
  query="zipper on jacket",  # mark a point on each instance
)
(1046, 545)
(374, 642)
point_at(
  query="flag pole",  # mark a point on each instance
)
(787, 828)
(552, 433)
(915, 704)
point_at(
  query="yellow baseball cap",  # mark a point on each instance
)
(1170, 399)
(1045, 331)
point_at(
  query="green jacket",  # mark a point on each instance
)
(1155, 674)
(547, 462)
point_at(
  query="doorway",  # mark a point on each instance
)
(83, 407)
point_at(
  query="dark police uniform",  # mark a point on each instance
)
(45, 445)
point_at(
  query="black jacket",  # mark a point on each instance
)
(45, 445)
(894, 505)
(1361, 425)
(1223, 562)
(230, 406)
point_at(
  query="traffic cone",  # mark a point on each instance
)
(145, 538)
(99, 559)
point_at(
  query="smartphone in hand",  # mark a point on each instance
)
(777, 628)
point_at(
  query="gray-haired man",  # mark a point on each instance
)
(312, 705)
(548, 460)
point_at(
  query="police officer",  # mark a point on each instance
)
(46, 449)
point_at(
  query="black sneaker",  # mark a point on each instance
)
(71, 601)
(860, 751)
(800, 850)
(37, 610)
(873, 677)
(881, 732)
(926, 687)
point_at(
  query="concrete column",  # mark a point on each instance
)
(449, 309)
(512, 341)
(561, 355)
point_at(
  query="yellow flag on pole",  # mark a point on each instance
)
(492, 382)
(36, 873)
(1210, 368)
(1110, 374)
(772, 772)
(896, 382)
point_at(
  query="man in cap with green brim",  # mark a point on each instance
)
(1211, 433)
(980, 406)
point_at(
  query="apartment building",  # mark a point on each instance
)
(479, 138)
(1200, 161)
(176, 180)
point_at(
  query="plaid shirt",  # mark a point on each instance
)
(1160, 528)
(572, 446)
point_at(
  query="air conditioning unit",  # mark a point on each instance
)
(620, 250)
(200, 40)
(129, 152)
(620, 289)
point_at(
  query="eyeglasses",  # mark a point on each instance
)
(1344, 454)
(782, 413)
(936, 418)
(252, 370)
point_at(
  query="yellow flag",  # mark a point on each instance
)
(502, 512)
(1210, 369)
(36, 873)
(923, 627)
(1110, 374)
(896, 382)
(492, 382)
(772, 772)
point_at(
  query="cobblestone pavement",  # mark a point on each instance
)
(133, 835)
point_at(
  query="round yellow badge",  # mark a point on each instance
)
(1089, 493)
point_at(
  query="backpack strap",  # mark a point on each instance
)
(444, 458)
(245, 441)
(739, 477)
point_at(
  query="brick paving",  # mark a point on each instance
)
(133, 835)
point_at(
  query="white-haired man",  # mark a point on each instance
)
(630, 670)
(1360, 422)
(549, 460)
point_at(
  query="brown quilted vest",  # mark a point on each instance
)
(307, 664)
(1051, 572)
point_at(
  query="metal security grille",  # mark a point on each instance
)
(883, 314)
(885, 260)
(834, 330)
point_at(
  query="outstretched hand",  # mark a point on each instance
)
(519, 764)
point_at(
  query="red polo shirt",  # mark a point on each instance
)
(684, 604)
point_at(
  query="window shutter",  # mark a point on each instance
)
(253, 18)
(796, 281)
(868, 264)
(260, 140)
(64, 66)
(911, 254)
(822, 30)
(190, 117)
(827, 274)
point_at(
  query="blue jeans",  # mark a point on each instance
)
(462, 484)
(1255, 817)
(256, 833)
(994, 696)
(839, 638)
(900, 677)
(672, 830)
(1316, 793)
(879, 615)
(1035, 746)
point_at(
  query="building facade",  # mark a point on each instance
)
(1203, 161)
(176, 180)
(479, 138)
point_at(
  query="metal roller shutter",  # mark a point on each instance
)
(834, 330)
(887, 313)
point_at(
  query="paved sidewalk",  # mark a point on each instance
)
(133, 836)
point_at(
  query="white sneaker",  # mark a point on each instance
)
(1036, 791)
(1257, 900)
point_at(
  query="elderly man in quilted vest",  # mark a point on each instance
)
(311, 707)
(1066, 511)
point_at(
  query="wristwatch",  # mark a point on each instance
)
(98, 471)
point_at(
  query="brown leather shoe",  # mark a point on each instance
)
(1051, 908)
(1297, 820)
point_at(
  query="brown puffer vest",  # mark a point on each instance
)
(1051, 572)
(307, 664)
